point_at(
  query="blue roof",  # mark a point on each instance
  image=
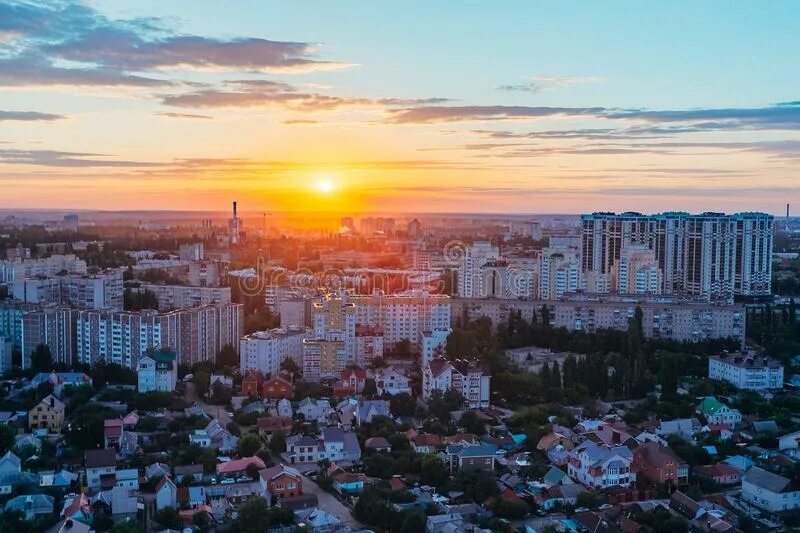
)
(481, 450)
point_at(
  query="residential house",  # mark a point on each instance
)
(390, 381)
(78, 508)
(157, 371)
(276, 388)
(303, 449)
(61, 380)
(182, 471)
(660, 465)
(222, 379)
(470, 379)
(268, 425)
(721, 474)
(378, 444)
(558, 496)
(481, 456)
(339, 445)
(348, 482)
(31, 505)
(156, 470)
(127, 478)
(315, 410)
(556, 476)
(199, 437)
(425, 443)
(467, 439)
(369, 409)
(283, 408)
(769, 491)
(788, 444)
(684, 428)
(280, 481)
(553, 439)
(445, 523)
(101, 467)
(11, 474)
(221, 439)
(717, 412)
(318, 520)
(608, 435)
(347, 411)
(601, 467)
(47, 414)
(351, 382)
(250, 384)
(238, 467)
(112, 432)
(61, 479)
(166, 494)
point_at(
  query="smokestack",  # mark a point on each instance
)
(234, 209)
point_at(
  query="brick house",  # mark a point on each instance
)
(280, 481)
(722, 474)
(659, 464)
(276, 388)
(481, 456)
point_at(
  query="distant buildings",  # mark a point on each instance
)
(746, 371)
(711, 256)
(171, 297)
(476, 255)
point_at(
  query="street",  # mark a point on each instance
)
(329, 503)
(216, 411)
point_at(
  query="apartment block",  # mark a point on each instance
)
(264, 351)
(746, 371)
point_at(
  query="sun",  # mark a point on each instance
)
(325, 186)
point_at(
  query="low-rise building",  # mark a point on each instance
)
(157, 371)
(481, 456)
(47, 414)
(601, 467)
(769, 491)
(472, 380)
(276, 388)
(721, 474)
(280, 481)
(166, 494)
(660, 465)
(746, 371)
(101, 467)
(391, 381)
(717, 412)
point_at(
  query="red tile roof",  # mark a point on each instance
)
(239, 465)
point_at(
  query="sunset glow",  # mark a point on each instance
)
(186, 104)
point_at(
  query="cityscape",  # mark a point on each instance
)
(276, 268)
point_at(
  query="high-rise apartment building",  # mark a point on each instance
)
(88, 291)
(403, 316)
(52, 326)
(710, 256)
(264, 351)
(476, 255)
(182, 296)
(559, 272)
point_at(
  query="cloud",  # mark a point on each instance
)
(40, 38)
(183, 115)
(547, 83)
(29, 116)
(299, 121)
(433, 114)
(267, 93)
(771, 117)
(54, 158)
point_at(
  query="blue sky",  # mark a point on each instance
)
(485, 106)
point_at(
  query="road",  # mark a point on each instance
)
(329, 503)
(216, 411)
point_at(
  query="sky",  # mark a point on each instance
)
(415, 106)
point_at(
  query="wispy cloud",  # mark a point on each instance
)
(547, 83)
(183, 115)
(433, 114)
(29, 116)
(41, 38)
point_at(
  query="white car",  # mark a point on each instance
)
(228, 481)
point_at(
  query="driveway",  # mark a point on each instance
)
(216, 411)
(329, 503)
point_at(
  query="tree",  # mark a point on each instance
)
(6, 438)
(472, 423)
(277, 444)
(290, 366)
(249, 445)
(102, 522)
(255, 516)
(432, 471)
(402, 404)
(414, 522)
(202, 381)
(41, 359)
(169, 518)
(475, 483)
(127, 526)
(227, 357)
(201, 520)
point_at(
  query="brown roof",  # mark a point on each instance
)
(273, 423)
(426, 439)
(100, 458)
(654, 454)
(721, 469)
